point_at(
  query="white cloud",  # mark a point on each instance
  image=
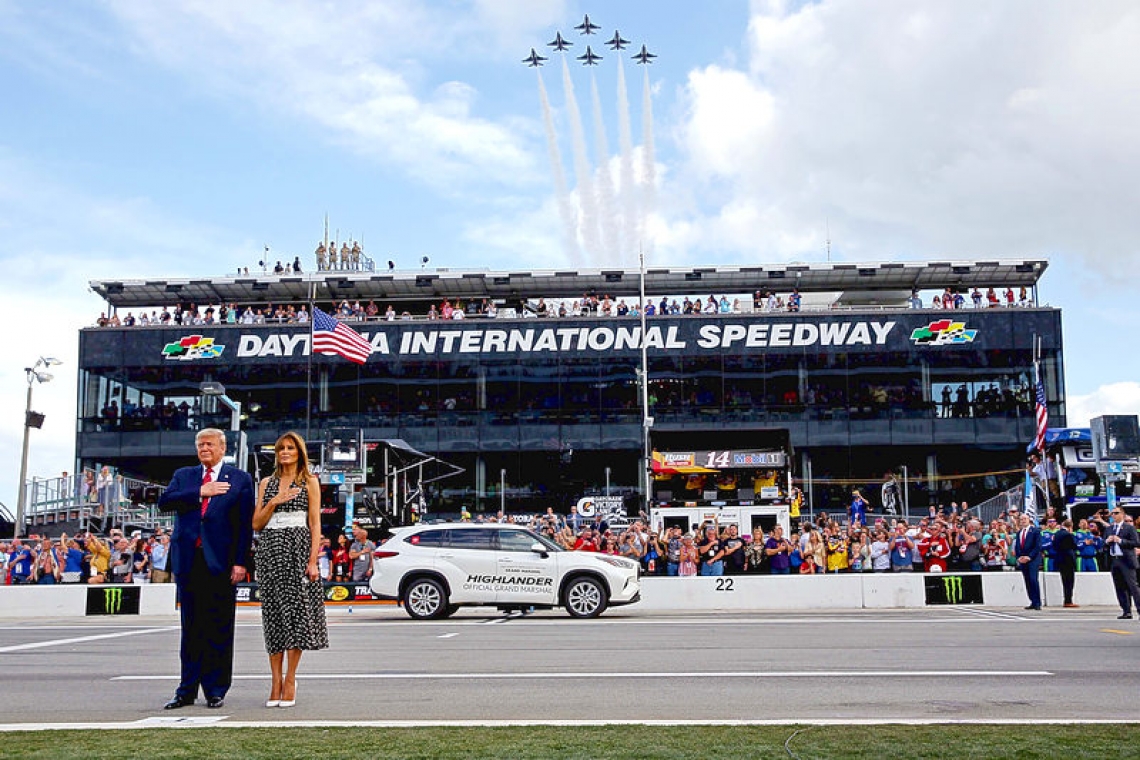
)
(1114, 398)
(924, 129)
(358, 69)
(58, 239)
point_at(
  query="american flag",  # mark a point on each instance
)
(331, 337)
(1042, 412)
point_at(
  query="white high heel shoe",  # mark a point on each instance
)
(288, 702)
(275, 702)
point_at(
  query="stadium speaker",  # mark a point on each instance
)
(1116, 437)
(34, 420)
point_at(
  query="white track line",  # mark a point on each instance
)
(642, 674)
(81, 639)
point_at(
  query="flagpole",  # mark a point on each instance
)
(309, 369)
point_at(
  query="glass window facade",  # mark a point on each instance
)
(547, 407)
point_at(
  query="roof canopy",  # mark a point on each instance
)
(429, 284)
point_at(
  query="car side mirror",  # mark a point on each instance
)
(538, 549)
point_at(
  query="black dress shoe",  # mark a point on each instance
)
(1033, 607)
(1125, 616)
(215, 702)
(178, 702)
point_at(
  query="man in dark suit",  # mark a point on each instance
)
(213, 530)
(1065, 554)
(1027, 549)
(1120, 541)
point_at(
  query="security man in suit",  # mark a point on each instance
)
(1120, 541)
(210, 545)
(1027, 549)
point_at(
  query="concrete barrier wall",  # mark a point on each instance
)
(737, 593)
(851, 591)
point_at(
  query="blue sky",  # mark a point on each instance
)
(180, 138)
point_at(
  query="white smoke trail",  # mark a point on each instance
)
(650, 164)
(628, 190)
(607, 209)
(587, 200)
(562, 195)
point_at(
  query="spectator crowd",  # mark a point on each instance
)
(589, 305)
(952, 541)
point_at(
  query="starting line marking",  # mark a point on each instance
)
(642, 674)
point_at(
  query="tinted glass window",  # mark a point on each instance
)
(428, 538)
(471, 539)
(516, 541)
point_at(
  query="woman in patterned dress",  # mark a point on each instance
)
(288, 518)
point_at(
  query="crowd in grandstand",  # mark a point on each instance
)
(945, 541)
(589, 305)
(948, 540)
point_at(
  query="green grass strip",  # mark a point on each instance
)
(958, 742)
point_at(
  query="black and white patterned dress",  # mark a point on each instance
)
(292, 606)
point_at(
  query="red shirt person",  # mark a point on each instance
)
(934, 550)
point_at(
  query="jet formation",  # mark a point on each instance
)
(533, 60)
(586, 27)
(589, 58)
(644, 56)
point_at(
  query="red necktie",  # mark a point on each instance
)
(206, 500)
(205, 503)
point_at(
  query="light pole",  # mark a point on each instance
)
(31, 420)
(218, 391)
(646, 420)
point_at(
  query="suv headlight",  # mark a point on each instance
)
(619, 562)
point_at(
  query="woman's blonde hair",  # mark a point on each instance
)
(302, 475)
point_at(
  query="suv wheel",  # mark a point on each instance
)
(425, 599)
(585, 598)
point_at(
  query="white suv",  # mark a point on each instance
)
(434, 569)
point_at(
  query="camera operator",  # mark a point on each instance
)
(652, 561)
(969, 545)
(994, 554)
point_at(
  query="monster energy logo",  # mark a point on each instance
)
(952, 585)
(112, 600)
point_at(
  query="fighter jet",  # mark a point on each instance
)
(590, 58)
(644, 56)
(617, 43)
(586, 27)
(534, 59)
(559, 43)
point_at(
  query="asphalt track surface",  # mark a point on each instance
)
(481, 667)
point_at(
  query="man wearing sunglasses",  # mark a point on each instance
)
(1121, 540)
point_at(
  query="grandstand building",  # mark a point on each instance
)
(849, 361)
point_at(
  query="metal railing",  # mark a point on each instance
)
(992, 508)
(93, 503)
